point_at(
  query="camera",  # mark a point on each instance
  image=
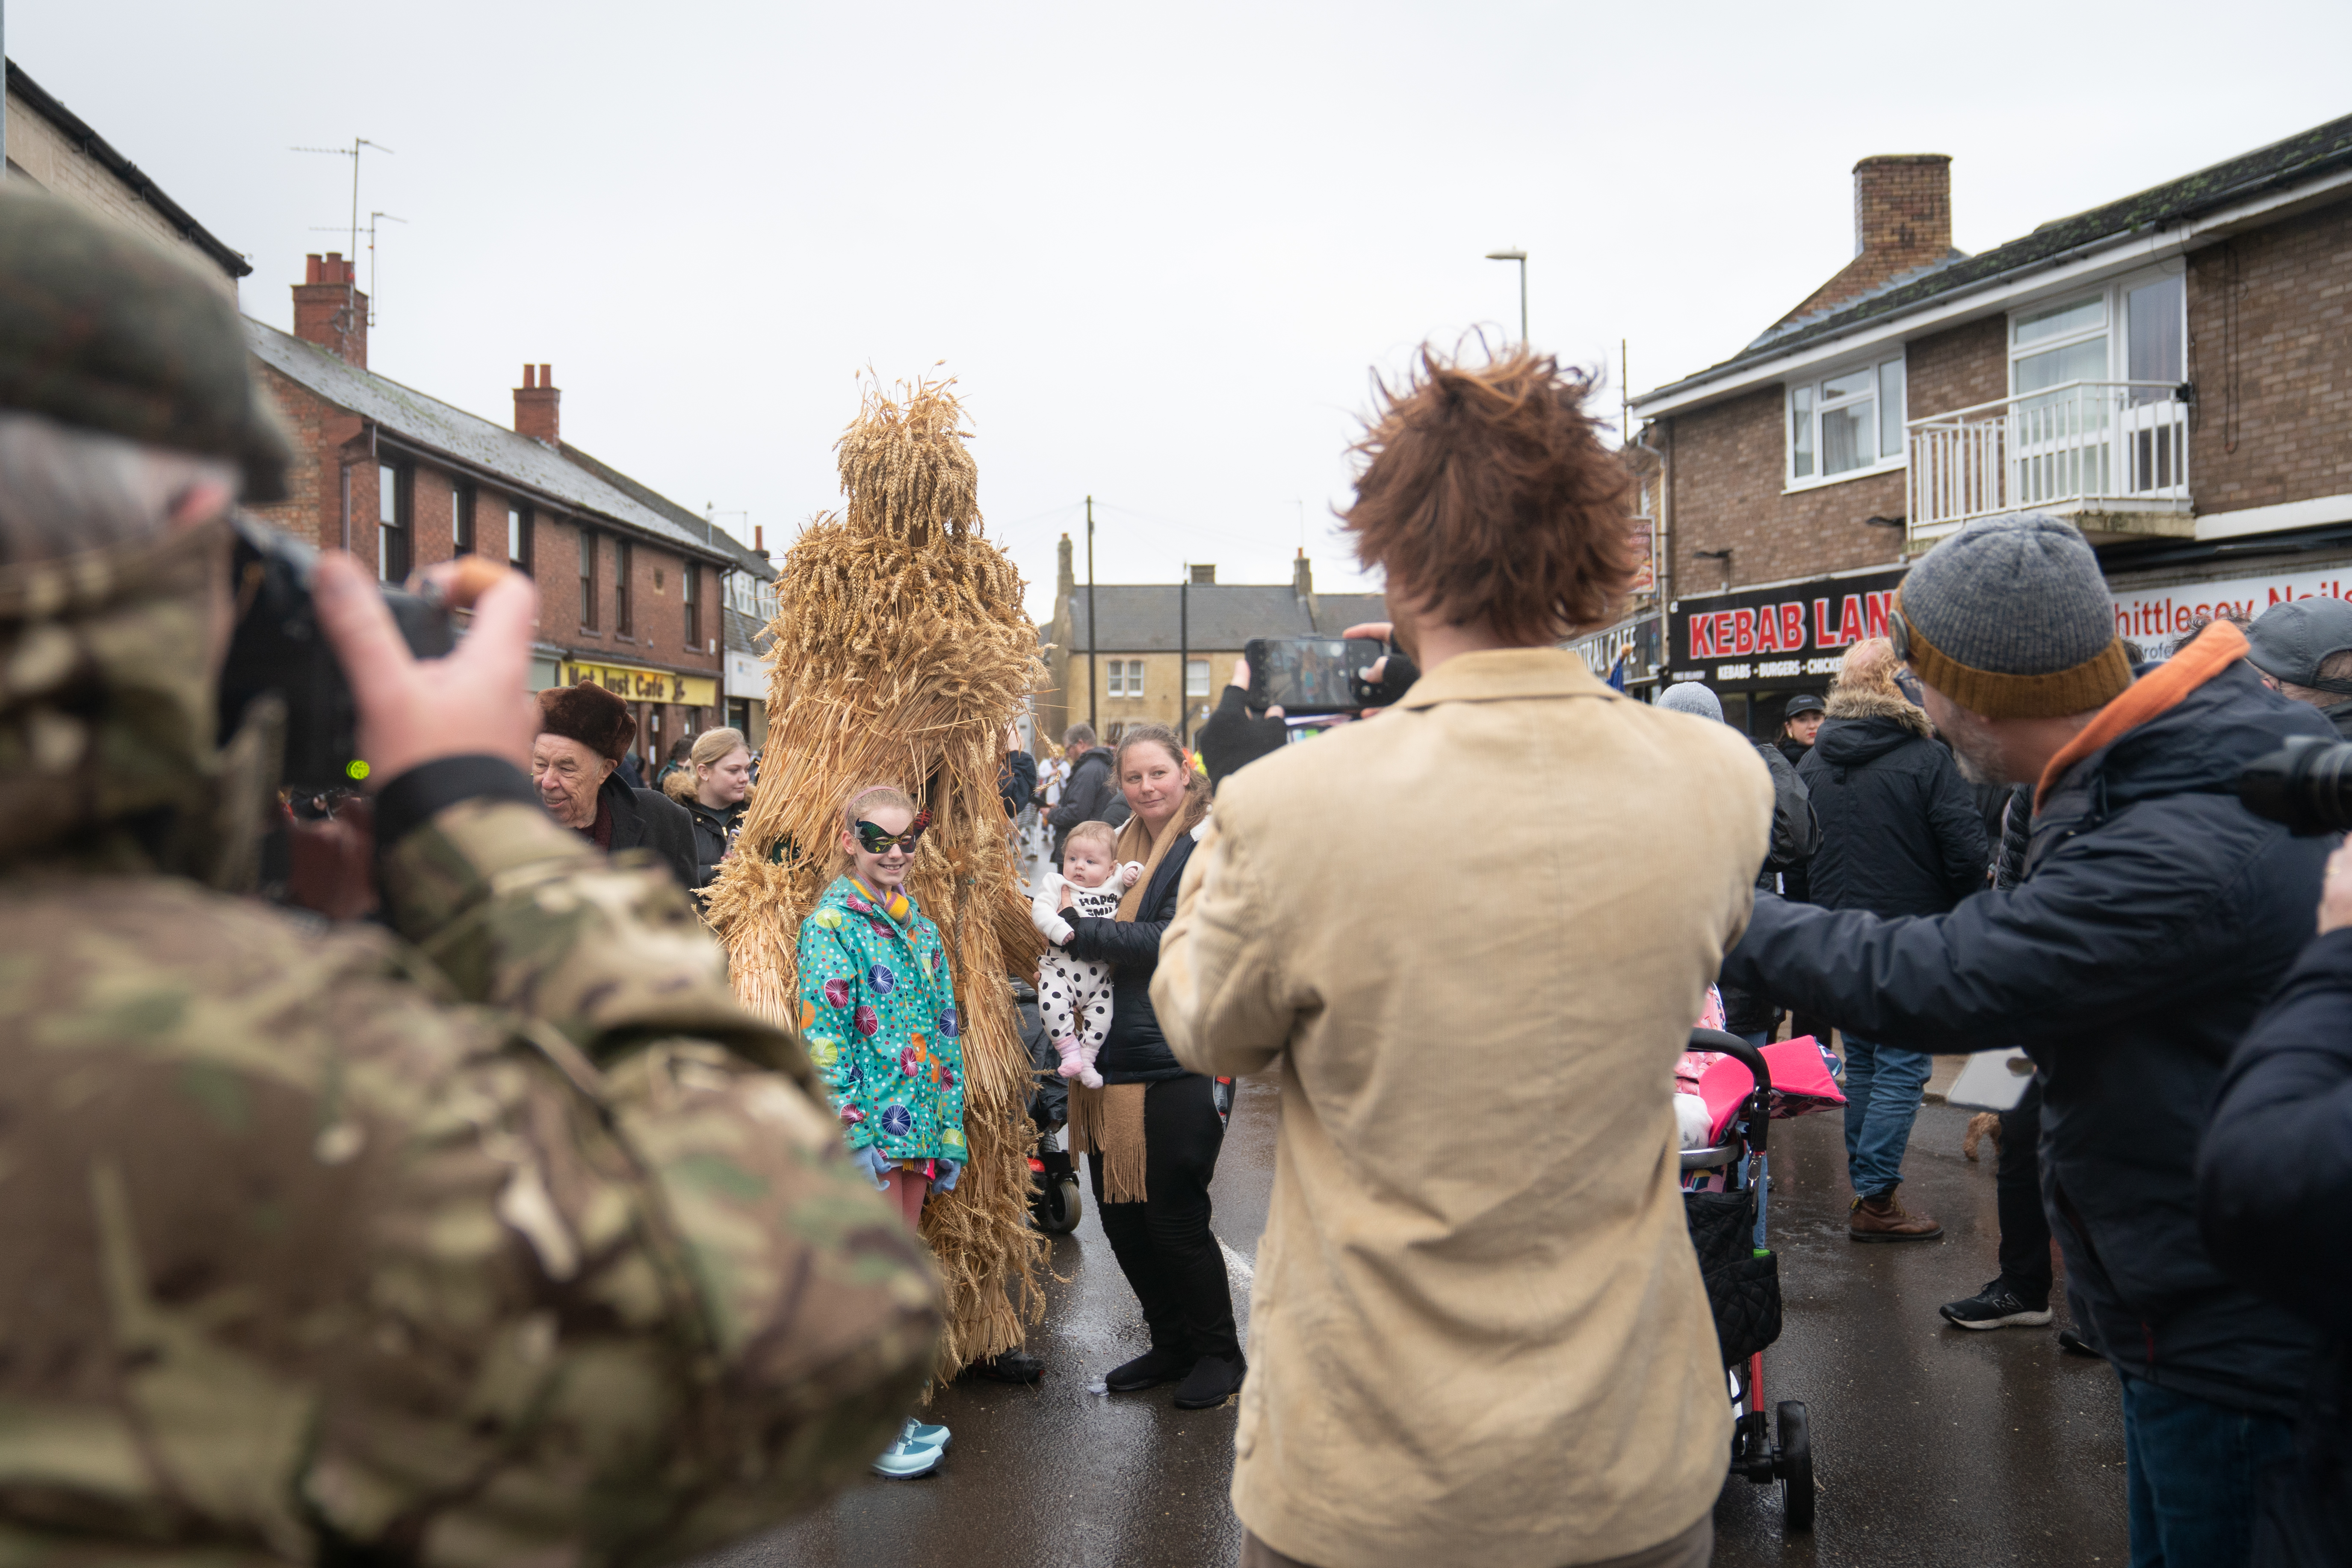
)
(279, 650)
(2305, 784)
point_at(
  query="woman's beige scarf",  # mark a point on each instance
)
(1109, 1121)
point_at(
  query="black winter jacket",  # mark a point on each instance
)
(2275, 1197)
(1088, 794)
(1135, 1051)
(711, 825)
(2156, 915)
(1900, 831)
(643, 820)
(1016, 780)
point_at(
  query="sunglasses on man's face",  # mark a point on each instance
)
(878, 841)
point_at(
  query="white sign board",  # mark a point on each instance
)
(2157, 618)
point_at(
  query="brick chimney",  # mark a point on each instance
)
(535, 405)
(1302, 575)
(330, 311)
(1902, 222)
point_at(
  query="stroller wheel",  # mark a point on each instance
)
(1055, 1206)
(1792, 1459)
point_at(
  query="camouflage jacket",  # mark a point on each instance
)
(492, 1246)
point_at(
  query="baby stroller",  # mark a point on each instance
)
(1743, 1285)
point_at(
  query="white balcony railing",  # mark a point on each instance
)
(2083, 445)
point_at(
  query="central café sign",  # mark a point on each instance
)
(635, 683)
(1770, 637)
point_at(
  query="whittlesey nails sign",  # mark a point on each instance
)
(1771, 636)
(2157, 618)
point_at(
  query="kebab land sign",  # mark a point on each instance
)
(1770, 635)
(2159, 619)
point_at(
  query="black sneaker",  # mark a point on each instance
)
(1153, 1367)
(1213, 1380)
(1997, 1305)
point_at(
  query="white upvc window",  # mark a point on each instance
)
(1196, 678)
(1126, 678)
(2130, 330)
(1847, 422)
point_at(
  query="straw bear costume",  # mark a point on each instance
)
(879, 1017)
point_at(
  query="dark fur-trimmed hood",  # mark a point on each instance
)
(1862, 703)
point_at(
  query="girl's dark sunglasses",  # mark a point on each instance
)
(878, 842)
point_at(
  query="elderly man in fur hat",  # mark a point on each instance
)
(583, 732)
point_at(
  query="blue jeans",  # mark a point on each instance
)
(1881, 1100)
(2193, 1472)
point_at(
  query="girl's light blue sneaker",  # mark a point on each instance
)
(915, 1432)
(907, 1457)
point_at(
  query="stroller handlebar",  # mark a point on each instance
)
(1733, 1046)
(1759, 1102)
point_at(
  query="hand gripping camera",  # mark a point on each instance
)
(279, 649)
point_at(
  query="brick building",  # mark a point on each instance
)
(2172, 372)
(632, 585)
(1163, 651)
(52, 147)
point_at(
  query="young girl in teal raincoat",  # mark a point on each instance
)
(878, 1009)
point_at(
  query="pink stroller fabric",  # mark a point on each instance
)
(1801, 1082)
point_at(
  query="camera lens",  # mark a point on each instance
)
(2305, 784)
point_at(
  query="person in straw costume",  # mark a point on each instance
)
(900, 652)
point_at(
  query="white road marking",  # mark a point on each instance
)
(1240, 1268)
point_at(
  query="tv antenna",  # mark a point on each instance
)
(351, 306)
(375, 300)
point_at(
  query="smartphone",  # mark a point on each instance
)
(1309, 675)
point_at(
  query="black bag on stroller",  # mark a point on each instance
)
(1743, 1287)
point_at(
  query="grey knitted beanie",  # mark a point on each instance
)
(1690, 697)
(2011, 618)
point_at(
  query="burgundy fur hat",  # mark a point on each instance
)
(590, 715)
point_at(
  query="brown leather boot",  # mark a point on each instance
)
(1886, 1219)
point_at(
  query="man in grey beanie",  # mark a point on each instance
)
(2153, 915)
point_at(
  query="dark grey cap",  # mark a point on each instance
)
(2289, 641)
(1803, 702)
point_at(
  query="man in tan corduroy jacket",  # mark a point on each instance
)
(1472, 935)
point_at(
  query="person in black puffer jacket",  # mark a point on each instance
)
(1089, 793)
(1152, 1194)
(1900, 835)
(2272, 1181)
(2155, 917)
(712, 785)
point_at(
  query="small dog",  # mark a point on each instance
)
(1984, 1124)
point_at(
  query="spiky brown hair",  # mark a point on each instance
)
(1486, 496)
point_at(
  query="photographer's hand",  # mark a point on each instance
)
(472, 703)
(2336, 893)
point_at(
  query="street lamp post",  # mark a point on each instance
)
(1521, 258)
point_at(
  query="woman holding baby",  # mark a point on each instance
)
(1153, 1129)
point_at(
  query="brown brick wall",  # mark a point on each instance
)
(2283, 398)
(1729, 463)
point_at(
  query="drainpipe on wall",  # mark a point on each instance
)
(1661, 561)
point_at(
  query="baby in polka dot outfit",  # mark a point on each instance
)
(1074, 994)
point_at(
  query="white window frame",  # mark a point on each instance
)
(1126, 679)
(2114, 324)
(1200, 667)
(1791, 480)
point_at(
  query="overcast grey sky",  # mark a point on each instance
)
(1159, 247)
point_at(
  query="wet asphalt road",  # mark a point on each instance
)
(1932, 1445)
